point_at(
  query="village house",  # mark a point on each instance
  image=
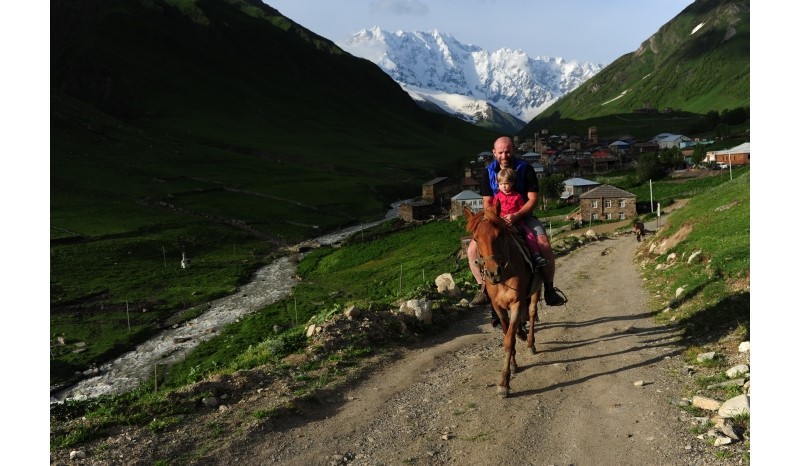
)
(669, 140)
(469, 181)
(574, 187)
(607, 202)
(531, 157)
(416, 210)
(463, 199)
(436, 195)
(619, 147)
(739, 155)
(565, 166)
(438, 191)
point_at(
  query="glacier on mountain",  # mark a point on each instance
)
(465, 80)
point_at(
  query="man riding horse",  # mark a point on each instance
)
(526, 183)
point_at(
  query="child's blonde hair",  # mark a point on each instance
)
(507, 174)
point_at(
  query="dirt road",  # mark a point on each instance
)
(598, 392)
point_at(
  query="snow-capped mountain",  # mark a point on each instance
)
(465, 80)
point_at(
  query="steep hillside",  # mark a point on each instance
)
(215, 129)
(232, 93)
(697, 62)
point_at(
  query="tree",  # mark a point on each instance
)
(723, 131)
(699, 153)
(648, 168)
(670, 157)
(551, 186)
(712, 119)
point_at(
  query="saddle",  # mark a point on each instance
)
(522, 245)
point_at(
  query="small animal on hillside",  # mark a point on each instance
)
(638, 227)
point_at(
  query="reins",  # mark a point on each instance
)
(482, 261)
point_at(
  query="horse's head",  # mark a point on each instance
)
(490, 231)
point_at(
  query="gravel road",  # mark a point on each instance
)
(599, 390)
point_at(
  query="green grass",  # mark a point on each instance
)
(717, 298)
(695, 72)
(367, 272)
(124, 207)
(715, 306)
(327, 288)
(373, 274)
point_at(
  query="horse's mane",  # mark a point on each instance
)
(490, 216)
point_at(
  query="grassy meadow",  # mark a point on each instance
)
(716, 299)
(126, 204)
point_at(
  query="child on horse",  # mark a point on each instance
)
(510, 203)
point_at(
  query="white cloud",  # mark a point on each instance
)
(399, 7)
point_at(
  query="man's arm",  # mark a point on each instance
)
(530, 204)
(532, 195)
(487, 203)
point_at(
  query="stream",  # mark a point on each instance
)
(270, 284)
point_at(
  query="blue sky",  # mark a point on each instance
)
(584, 30)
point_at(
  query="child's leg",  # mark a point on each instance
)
(533, 245)
(530, 238)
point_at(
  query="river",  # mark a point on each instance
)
(270, 284)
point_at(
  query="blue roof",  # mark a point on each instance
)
(580, 182)
(466, 195)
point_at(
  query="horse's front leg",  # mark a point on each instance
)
(509, 355)
(533, 311)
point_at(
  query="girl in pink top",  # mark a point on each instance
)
(511, 202)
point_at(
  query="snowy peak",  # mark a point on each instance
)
(464, 79)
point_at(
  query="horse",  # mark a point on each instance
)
(638, 228)
(511, 283)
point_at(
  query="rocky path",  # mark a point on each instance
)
(599, 390)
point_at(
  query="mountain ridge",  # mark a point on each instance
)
(698, 62)
(432, 65)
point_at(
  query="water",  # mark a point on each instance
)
(271, 283)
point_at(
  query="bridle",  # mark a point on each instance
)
(494, 276)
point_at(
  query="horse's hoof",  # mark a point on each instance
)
(502, 392)
(532, 349)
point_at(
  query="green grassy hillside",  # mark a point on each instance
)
(219, 129)
(696, 63)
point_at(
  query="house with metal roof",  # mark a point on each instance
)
(739, 155)
(619, 147)
(539, 169)
(463, 199)
(531, 157)
(669, 140)
(574, 187)
(608, 203)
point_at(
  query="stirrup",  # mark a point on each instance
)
(557, 291)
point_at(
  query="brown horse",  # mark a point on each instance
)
(510, 284)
